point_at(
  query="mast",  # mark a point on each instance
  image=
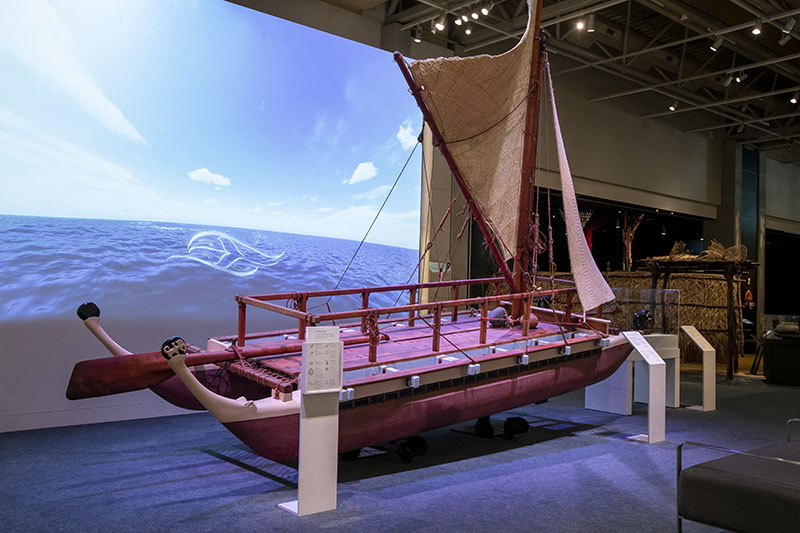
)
(522, 256)
(438, 141)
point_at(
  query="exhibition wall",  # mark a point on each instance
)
(782, 191)
(161, 158)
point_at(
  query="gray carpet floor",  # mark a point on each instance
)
(575, 470)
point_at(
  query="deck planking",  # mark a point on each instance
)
(407, 343)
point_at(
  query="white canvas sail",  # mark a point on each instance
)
(593, 291)
(478, 103)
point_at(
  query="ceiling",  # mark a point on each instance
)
(645, 55)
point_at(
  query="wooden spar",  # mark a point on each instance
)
(523, 251)
(126, 373)
(438, 141)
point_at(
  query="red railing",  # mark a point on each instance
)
(369, 315)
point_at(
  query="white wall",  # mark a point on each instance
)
(617, 156)
(783, 196)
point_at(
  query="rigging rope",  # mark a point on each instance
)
(380, 210)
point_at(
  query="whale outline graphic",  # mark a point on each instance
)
(226, 254)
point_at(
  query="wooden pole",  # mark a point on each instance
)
(522, 255)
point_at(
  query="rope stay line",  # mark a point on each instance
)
(374, 220)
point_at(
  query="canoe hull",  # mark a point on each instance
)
(277, 437)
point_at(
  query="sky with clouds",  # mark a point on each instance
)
(202, 112)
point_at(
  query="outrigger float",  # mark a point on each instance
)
(426, 364)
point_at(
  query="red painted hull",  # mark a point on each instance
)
(215, 379)
(276, 438)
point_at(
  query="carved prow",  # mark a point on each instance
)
(90, 314)
(224, 409)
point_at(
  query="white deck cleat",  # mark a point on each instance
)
(523, 359)
(413, 382)
(604, 342)
(474, 369)
(566, 350)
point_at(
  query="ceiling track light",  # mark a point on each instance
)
(795, 97)
(590, 24)
(458, 21)
(741, 76)
(757, 27)
(740, 128)
(674, 105)
(789, 25)
(580, 24)
(465, 17)
(441, 22)
(785, 38)
(468, 29)
(416, 33)
(717, 44)
(486, 7)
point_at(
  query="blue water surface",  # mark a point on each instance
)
(48, 266)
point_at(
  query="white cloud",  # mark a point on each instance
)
(324, 209)
(257, 209)
(274, 204)
(206, 176)
(405, 134)
(372, 194)
(363, 172)
(217, 188)
(34, 34)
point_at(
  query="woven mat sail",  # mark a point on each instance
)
(478, 103)
(593, 291)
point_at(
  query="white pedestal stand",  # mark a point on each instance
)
(319, 423)
(709, 369)
(615, 394)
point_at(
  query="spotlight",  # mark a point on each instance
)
(785, 38)
(458, 21)
(416, 31)
(795, 96)
(663, 230)
(465, 17)
(468, 29)
(580, 24)
(590, 24)
(717, 44)
(440, 22)
(728, 80)
(673, 106)
(475, 13)
(789, 25)
(741, 76)
(757, 27)
(487, 7)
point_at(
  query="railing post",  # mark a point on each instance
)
(364, 305)
(526, 313)
(454, 316)
(412, 301)
(484, 321)
(301, 329)
(568, 309)
(240, 331)
(437, 327)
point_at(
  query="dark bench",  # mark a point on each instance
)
(757, 490)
